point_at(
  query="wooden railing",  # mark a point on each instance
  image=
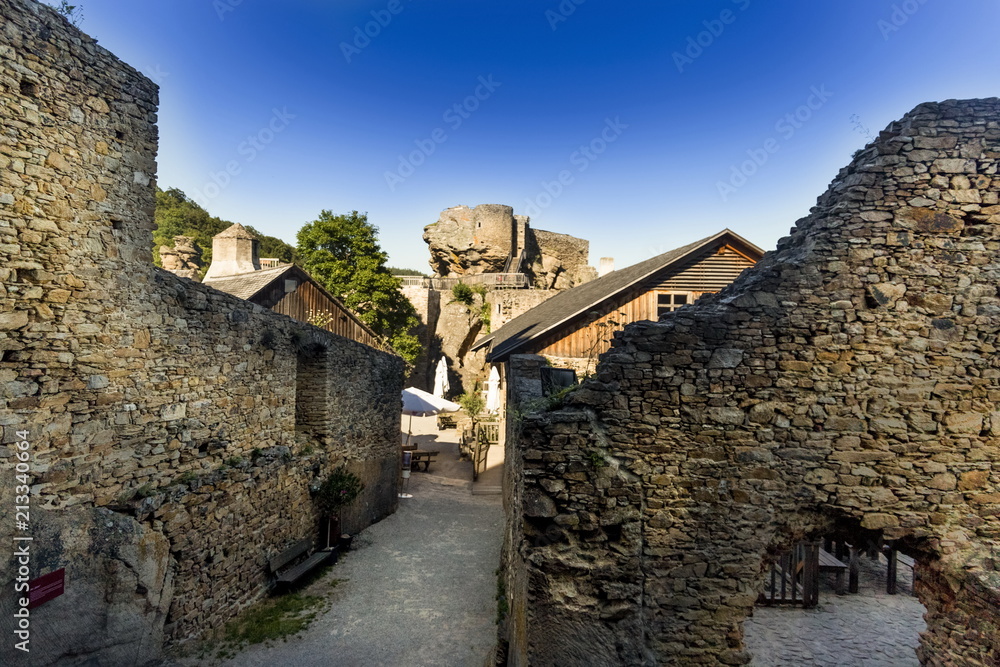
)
(492, 280)
(487, 433)
(794, 577)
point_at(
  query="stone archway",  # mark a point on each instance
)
(853, 373)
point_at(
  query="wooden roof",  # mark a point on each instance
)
(248, 285)
(256, 286)
(565, 306)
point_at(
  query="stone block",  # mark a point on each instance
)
(954, 166)
(943, 481)
(964, 422)
(974, 479)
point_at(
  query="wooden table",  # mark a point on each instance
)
(422, 456)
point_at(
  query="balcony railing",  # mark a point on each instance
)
(492, 280)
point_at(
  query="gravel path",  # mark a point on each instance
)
(416, 589)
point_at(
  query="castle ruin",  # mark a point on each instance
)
(847, 384)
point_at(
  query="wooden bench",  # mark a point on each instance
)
(288, 574)
(420, 456)
(830, 563)
(445, 422)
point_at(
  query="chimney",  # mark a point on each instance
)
(234, 251)
(607, 266)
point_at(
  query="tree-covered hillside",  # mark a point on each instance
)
(178, 215)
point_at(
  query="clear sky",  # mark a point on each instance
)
(640, 126)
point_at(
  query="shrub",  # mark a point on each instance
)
(339, 489)
(463, 294)
(473, 404)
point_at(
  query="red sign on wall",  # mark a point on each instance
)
(46, 587)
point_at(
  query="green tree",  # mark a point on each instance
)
(342, 252)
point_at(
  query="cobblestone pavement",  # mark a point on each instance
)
(871, 628)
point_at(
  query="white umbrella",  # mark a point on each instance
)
(441, 385)
(493, 391)
(417, 402)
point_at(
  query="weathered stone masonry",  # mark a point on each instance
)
(168, 458)
(848, 382)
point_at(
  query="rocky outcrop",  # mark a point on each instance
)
(119, 586)
(466, 242)
(558, 261)
(184, 259)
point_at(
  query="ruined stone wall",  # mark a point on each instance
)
(846, 383)
(144, 394)
(558, 261)
(448, 328)
(427, 303)
(506, 304)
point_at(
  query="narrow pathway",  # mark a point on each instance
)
(417, 588)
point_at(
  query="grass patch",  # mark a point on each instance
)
(271, 620)
(277, 618)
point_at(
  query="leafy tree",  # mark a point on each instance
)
(342, 252)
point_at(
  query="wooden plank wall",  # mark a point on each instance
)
(586, 337)
(306, 297)
(704, 273)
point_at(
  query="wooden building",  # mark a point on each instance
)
(580, 322)
(285, 289)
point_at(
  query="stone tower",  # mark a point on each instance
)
(233, 251)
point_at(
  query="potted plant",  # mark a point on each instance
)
(338, 490)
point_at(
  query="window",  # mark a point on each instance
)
(668, 302)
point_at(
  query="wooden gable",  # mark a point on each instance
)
(589, 334)
(294, 293)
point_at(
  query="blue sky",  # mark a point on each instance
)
(640, 126)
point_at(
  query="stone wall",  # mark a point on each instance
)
(427, 303)
(160, 400)
(847, 383)
(506, 304)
